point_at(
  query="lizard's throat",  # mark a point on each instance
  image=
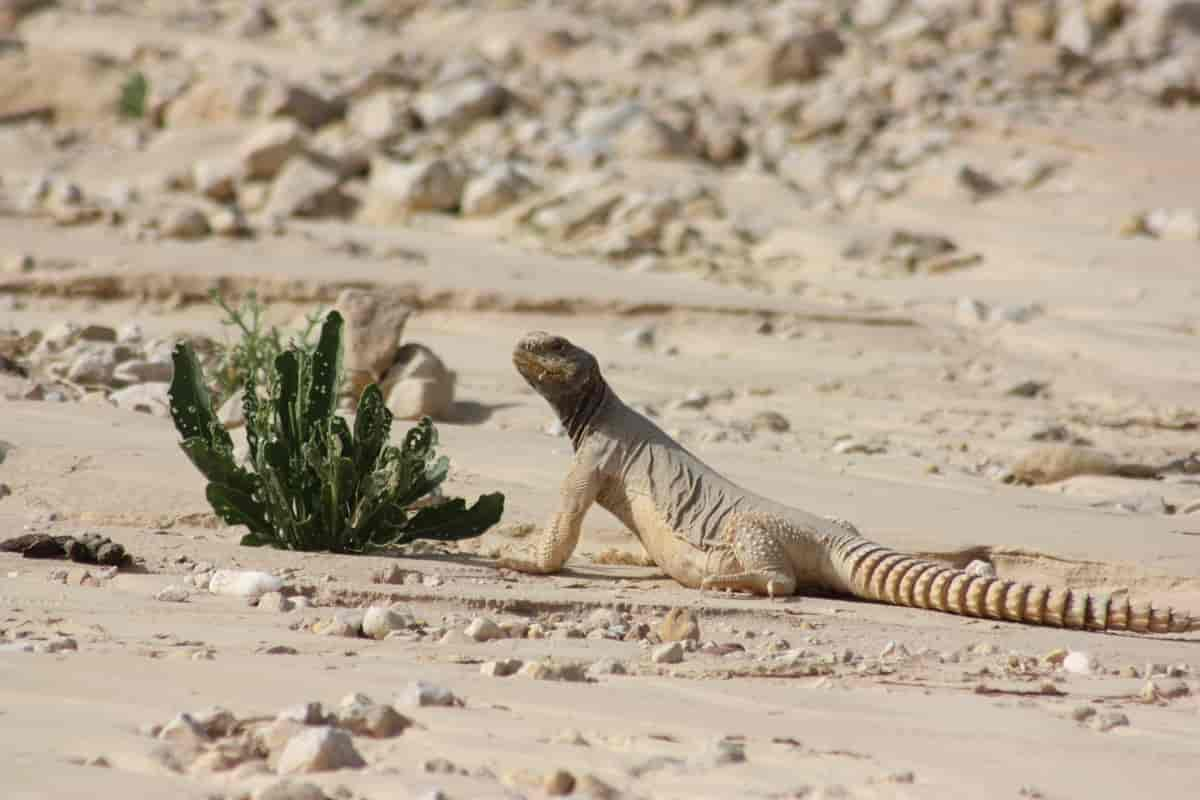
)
(577, 411)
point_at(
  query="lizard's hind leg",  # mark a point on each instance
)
(757, 550)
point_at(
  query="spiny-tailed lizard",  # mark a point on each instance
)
(707, 532)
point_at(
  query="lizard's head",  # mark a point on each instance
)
(556, 369)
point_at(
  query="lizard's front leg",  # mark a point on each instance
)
(558, 539)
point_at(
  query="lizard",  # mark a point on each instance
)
(706, 532)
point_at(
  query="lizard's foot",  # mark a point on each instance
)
(520, 564)
(773, 585)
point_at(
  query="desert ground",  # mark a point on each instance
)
(932, 267)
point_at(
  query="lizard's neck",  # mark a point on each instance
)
(578, 411)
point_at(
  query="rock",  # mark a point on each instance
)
(383, 117)
(347, 623)
(647, 136)
(500, 187)
(799, 57)
(671, 653)
(146, 398)
(372, 719)
(379, 621)
(184, 222)
(420, 693)
(243, 583)
(1033, 20)
(93, 366)
(288, 789)
(680, 625)
(397, 189)
(275, 602)
(1028, 172)
(501, 668)
(231, 414)
(217, 179)
(374, 323)
(306, 189)
(172, 594)
(265, 151)
(229, 222)
(873, 13)
(1078, 663)
(418, 384)
(184, 731)
(1179, 224)
(459, 106)
(642, 337)
(1074, 34)
(297, 102)
(558, 783)
(549, 670)
(980, 569)
(319, 750)
(143, 371)
(770, 421)
(309, 713)
(1108, 720)
(483, 629)
(606, 666)
(215, 721)
(1057, 462)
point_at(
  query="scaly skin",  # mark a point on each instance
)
(707, 532)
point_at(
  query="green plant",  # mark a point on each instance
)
(249, 359)
(134, 91)
(312, 483)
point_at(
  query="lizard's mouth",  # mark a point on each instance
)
(535, 368)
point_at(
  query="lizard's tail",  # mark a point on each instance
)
(874, 572)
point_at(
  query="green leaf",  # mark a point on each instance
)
(326, 371)
(371, 428)
(217, 465)
(238, 508)
(452, 520)
(190, 403)
(254, 540)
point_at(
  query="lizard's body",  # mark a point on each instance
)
(704, 530)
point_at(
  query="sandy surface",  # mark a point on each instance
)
(826, 697)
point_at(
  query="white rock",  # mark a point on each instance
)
(495, 190)
(275, 602)
(1074, 33)
(1178, 224)
(94, 365)
(304, 713)
(172, 594)
(243, 583)
(483, 629)
(457, 107)
(980, 569)
(146, 398)
(421, 693)
(670, 653)
(379, 621)
(418, 384)
(396, 189)
(1079, 663)
(319, 750)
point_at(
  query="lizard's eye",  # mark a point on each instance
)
(557, 345)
